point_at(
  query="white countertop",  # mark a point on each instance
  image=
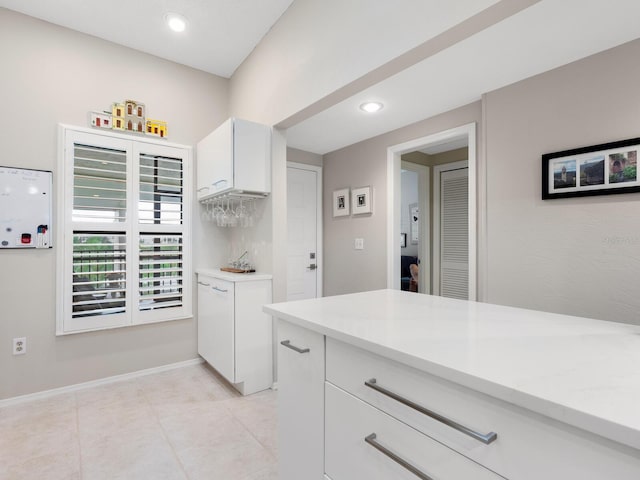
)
(233, 277)
(582, 372)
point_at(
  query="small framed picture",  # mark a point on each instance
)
(361, 199)
(403, 240)
(414, 223)
(341, 202)
(595, 170)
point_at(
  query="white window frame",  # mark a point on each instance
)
(134, 146)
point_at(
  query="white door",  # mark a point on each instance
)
(303, 217)
(451, 231)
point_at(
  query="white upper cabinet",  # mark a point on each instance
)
(235, 158)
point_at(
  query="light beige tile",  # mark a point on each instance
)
(98, 422)
(119, 393)
(258, 414)
(51, 466)
(138, 455)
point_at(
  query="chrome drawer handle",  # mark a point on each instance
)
(202, 188)
(484, 438)
(287, 343)
(219, 181)
(204, 284)
(371, 440)
(219, 290)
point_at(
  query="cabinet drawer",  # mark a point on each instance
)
(528, 445)
(348, 456)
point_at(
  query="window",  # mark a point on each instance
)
(125, 233)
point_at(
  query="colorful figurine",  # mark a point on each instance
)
(117, 111)
(157, 128)
(134, 116)
(101, 119)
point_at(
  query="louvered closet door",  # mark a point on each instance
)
(454, 233)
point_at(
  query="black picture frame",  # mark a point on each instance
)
(604, 169)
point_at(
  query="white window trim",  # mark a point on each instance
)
(65, 235)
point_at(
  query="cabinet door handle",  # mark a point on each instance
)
(371, 440)
(202, 188)
(287, 343)
(485, 438)
(219, 290)
(204, 284)
(219, 181)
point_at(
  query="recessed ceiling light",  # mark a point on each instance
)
(176, 22)
(371, 107)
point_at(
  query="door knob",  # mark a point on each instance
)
(312, 267)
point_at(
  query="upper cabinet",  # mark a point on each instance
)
(235, 158)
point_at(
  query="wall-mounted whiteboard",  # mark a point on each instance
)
(25, 208)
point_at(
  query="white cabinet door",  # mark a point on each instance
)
(254, 336)
(205, 318)
(300, 403)
(235, 156)
(222, 336)
(251, 156)
(215, 161)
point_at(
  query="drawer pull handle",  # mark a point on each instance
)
(484, 438)
(204, 284)
(371, 440)
(202, 188)
(287, 343)
(219, 290)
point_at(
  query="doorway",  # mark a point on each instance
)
(466, 135)
(304, 231)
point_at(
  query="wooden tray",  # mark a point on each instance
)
(236, 270)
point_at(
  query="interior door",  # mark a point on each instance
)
(451, 225)
(302, 234)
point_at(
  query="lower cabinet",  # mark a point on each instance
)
(234, 335)
(346, 413)
(300, 403)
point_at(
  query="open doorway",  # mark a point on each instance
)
(439, 231)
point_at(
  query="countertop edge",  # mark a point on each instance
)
(233, 277)
(607, 429)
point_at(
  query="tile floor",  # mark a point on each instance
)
(180, 424)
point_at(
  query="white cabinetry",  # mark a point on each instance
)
(234, 158)
(234, 335)
(300, 403)
(384, 419)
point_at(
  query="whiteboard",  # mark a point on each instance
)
(25, 208)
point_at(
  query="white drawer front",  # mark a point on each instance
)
(528, 446)
(349, 457)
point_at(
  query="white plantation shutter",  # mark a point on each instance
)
(454, 239)
(125, 230)
(161, 271)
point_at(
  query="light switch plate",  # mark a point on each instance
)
(359, 243)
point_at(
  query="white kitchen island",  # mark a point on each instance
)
(391, 384)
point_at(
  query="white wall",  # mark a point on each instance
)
(52, 75)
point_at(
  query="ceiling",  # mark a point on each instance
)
(219, 36)
(222, 33)
(544, 36)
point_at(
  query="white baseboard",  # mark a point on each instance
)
(94, 383)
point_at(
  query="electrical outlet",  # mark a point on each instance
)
(20, 346)
(358, 244)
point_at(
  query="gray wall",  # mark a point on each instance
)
(300, 156)
(347, 270)
(579, 256)
(52, 75)
(576, 256)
